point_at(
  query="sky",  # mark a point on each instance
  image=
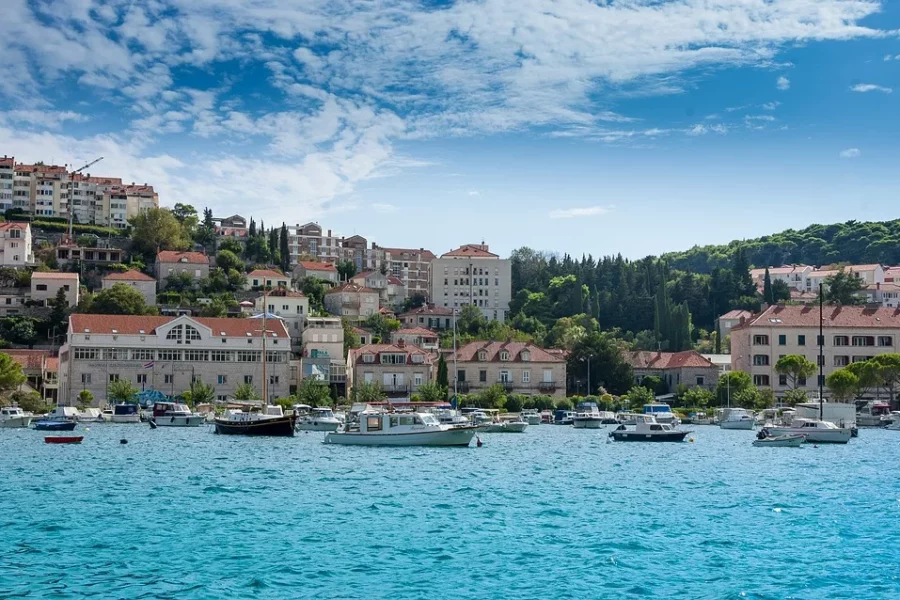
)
(587, 127)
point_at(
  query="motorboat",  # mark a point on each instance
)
(54, 425)
(564, 417)
(106, 415)
(531, 416)
(62, 413)
(815, 430)
(13, 416)
(737, 418)
(318, 419)
(272, 422)
(894, 425)
(172, 414)
(892, 417)
(89, 415)
(625, 417)
(400, 429)
(791, 440)
(587, 416)
(646, 429)
(63, 439)
(701, 418)
(446, 416)
(872, 414)
(546, 416)
(507, 427)
(126, 413)
(662, 412)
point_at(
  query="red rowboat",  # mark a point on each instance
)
(62, 439)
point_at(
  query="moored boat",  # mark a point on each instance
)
(63, 439)
(815, 430)
(273, 422)
(400, 429)
(764, 438)
(54, 425)
(646, 429)
(507, 427)
(587, 416)
(531, 416)
(318, 419)
(563, 417)
(662, 412)
(89, 415)
(172, 414)
(62, 413)
(126, 413)
(737, 418)
(13, 416)
(872, 414)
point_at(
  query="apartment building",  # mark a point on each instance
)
(521, 368)
(318, 270)
(266, 278)
(472, 274)
(688, 368)
(352, 300)
(289, 306)
(15, 245)
(399, 368)
(391, 291)
(428, 316)
(67, 253)
(168, 353)
(142, 283)
(7, 180)
(173, 262)
(425, 339)
(886, 294)
(45, 286)
(851, 334)
(323, 350)
(794, 276)
(409, 265)
(730, 319)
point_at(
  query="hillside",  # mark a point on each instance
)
(853, 242)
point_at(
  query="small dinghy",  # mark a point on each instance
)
(791, 440)
(54, 425)
(63, 439)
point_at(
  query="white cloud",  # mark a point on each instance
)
(863, 88)
(474, 193)
(770, 105)
(48, 119)
(587, 211)
(767, 118)
(783, 83)
(851, 153)
(383, 207)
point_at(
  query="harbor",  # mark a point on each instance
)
(510, 517)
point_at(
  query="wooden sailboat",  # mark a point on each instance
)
(271, 420)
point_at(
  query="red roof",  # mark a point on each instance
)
(52, 363)
(793, 315)
(419, 331)
(133, 324)
(14, 225)
(378, 349)
(647, 359)
(316, 266)
(173, 256)
(469, 352)
(737, 314)
(53, 275)
(394, 280)
(472, 251)
(364, 274)
(283, 293)
(267, 273)
(429, 310)
(352, 288)
(892, 274)
(29, 359)
(130, 275)
(7, 161)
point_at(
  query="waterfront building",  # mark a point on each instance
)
(400, 369)
(15, 244)
(323, 350)
(142, 283)
(167, 353)
(688, 368)
(45, 286)
(352, 300)
(851, 334)
(521, 368)
(472, 274)
(173, 262)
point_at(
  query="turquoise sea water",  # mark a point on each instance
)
(551, 513)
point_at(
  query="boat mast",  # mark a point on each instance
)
(265, 381)
(455, 370)
(821, 350)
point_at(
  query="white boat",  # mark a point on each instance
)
(737, 418)
(587, 416)
(646, 429)
(839, 413)
(872, 414)
(563, 417)
(662, 412)
(406, 429)
(62, 413)
(89, 415)
(449, 416)
(507, 427)
(13, 416)
(318, 419)
(892, 417)
(126, 413)
(171, 414)
(531, 416)
(625, 417)
(816, 431)
(781, 441)
(106, 415)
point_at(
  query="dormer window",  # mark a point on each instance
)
(504, 355)
(368, 358)
(526, 355)
(482, 355)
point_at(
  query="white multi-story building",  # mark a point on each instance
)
(45, 286)
(851, 334)
(289, 306)
(794, 276)
(323, 350)
(266, 278)
(15, 244)
(7, 181)
(472, 274)
(143, 284)
(318, 270)
(885, 294)
(168, 353)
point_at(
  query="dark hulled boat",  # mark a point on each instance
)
(54, 425)
(238, 422)
(648, 430)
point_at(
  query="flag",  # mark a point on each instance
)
(148, 365)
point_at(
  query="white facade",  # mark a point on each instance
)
(291, 307)
(472, 275)
(7, 182)
(45, 286)
(144, 284)
(15, 245)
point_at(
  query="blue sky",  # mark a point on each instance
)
(632, 126)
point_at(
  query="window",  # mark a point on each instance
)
(760, 340)
(863, 340)
(526, 356)
(505, 377)
(482, 355)
(142, 378)
(820, 360)
(841, 340)
(841, 361)
(417, 379)
(170, 355)
(701, 381)
(885, 340)
(274, 379)
(504, 355)
(860, 358)
(782, 380)
(191, 333)
(248, 356)
(220, 355)
(482, 376)
(801, 340)
(196, 355)
(113, 377)
(368, 358)
(86, 353)
(760, 380)
(526, 376)
(782, 340)
(222, 398)
(222, 379)
(760, 360)
(86, 378)
(41, 287)
(248, 379)
(142, 355)
(169, 378)
(373, 423)
(115, 354)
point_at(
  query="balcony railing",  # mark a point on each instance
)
(547, 386)
(463, 387)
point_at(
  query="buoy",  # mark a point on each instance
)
(123, 441)
(478, 442)
(691, 440)
(153, 424)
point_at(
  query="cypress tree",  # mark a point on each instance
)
(768, 293)
(285, 249)
(442, 378)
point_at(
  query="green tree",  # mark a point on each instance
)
(656, 384)
(430, 391)
(797, 369)
(28, 401)
(843, 287)
(199, 393)
(382, 326)
(183, 212)
(59, 316)
(233, 246)
(365, 391)
(514, 403)
(351, 339)
(121, 390)
(844, 385)
(180, 282)
(754, 398)
(245, 392)
(443, 379)
(120, 299)
(638, 396)
(888, 369)
(781, 292)
(313, 289)
(11, 375)
(795, 396)
(609, 368)
(85, 399)
(23, 332)
(768, 293)
(227, 260)
(413, 301)
(313, 392)
(216, 308)
(867, 376)
(157, 229)
(492, 397)
(697, 397)
(284, 249)
(731, 382)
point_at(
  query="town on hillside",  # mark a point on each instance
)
(105, 295)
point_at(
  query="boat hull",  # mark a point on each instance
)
(278, 427)
(16, 422)
(54, 425)
(506, 428)
(819, 436)
(745, 424)
(665, 436)
(593, 423)
(449, 437)
(784, 441)
(317, 426)
(180, 421)
(63, 439)
(135, 418)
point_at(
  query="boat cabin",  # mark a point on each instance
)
(12, 411)
(125, 409)
(657, 408)
(167, 409)
(63, 413)
(396, 422)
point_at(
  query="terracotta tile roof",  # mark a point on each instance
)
(7, 161)
(736, 314)
(14, 225)
(173, 256)
(885, 287)
(310, 265)
(51, 364)
(667, 360)
(351, 288)
(419, 331)
(364, 274)
(378, 349)
(469, 352)
(793, 315)
(133, 324)
(269, 273)
(470, 250)
(283, 293)
(394, 280)
(53, 275)
(892, 274)
(429, 310)
(130, 275)
(29, 359)
(385, 310)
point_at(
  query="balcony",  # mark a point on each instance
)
(508, 386)
(462, 387)
(547, 386)
(396, 388)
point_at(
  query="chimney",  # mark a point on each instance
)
(401, 343)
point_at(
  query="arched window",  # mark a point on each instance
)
(175, 333)
(191, 333)
(504, 355)
(482, 356)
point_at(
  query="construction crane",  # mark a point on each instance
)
(71, 210)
